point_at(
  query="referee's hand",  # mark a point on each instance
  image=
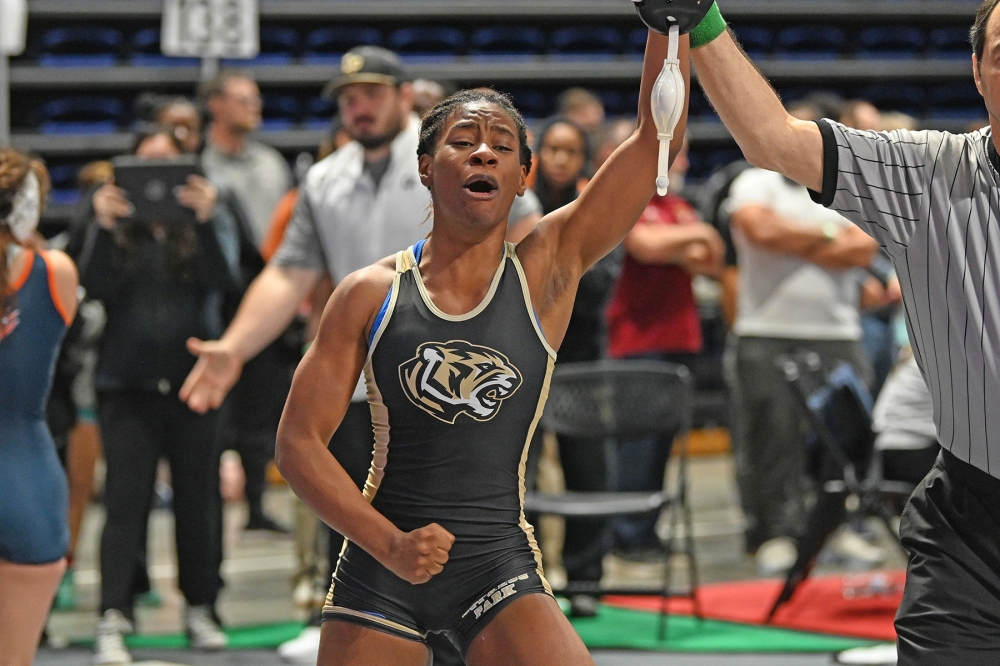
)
(418, 556)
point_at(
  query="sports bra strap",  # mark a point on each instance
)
(403, 261)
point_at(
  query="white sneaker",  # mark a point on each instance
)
(109, 643)
(776, 556)
(884, 655)
(202, 630)
(851, 549)
(303, 649)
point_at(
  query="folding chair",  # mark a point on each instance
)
(838, 409)
(612, 399)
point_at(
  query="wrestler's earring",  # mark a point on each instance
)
(667, 106)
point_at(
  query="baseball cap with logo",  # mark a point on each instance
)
(366, 64)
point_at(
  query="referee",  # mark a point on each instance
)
(932, 200)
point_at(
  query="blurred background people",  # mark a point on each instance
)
(37, 302)
(798, 290)
(582, 107)
(653, 315)
(160, 284)
(259, 178)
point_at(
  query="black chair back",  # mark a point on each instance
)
(619, 398)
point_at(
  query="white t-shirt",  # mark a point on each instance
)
(783, 296)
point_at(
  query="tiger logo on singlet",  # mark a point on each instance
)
(447, 379)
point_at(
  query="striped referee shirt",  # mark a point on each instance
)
(932, 200)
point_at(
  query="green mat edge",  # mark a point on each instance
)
(721, 636)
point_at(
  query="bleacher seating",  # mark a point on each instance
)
(327, 45)
(438, 42)
(507, 40)
(811, 42)
(81, 114)
(80, 45)
(591, 41)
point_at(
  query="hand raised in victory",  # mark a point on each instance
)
(216, 371)
(418, 556)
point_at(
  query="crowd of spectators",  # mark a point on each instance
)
(223, 306)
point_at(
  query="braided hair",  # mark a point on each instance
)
(433, 121)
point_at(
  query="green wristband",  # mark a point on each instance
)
(710, 27)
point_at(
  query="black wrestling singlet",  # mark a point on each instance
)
(454, 400)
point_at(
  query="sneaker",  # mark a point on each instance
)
(582, 605)
(884, 655)
(203, 631)
(265, 522)
(304, 649)
(109, 643)
(776, 556)
(66, 592)
(852, 550)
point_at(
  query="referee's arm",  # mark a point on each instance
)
(768, 136)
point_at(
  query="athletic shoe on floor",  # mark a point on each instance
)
(202, 630)
(882, 655)
(265, 522)
(851, 549)
(109, 643)
(304, 649)
(582, 605)
(66, 592)
(776, 556)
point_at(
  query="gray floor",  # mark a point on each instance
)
(259, 568)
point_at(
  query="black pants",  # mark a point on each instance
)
(352, 445)
(950, 613)
(137, 427)
(250, 420)
(769, 429)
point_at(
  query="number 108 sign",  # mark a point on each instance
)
(210, 28)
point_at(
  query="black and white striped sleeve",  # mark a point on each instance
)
(876, 179)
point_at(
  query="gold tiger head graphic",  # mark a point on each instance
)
(446, 379)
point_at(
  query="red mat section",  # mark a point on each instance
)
(858, 605)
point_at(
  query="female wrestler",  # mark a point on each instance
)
(37, 302)
(456, 337)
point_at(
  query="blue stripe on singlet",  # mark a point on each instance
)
(418, 250)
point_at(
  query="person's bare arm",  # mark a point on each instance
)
(320, 393)
(850, 247)
(66, 283)
(748, 106)
(266, 310)
(611, 203)
(672, 244)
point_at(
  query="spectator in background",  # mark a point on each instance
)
(582, 107)
(160, 285)
(38, 298)
(259, 177)
(175, 112)
(797, 291)
(653, 315)
(427, 93)
(861, 115)
(563, 154)
(612, 135)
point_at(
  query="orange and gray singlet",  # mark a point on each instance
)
(454, 401)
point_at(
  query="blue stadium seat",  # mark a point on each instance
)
(327, 45)
(428, 42)
(506, 41)
(532, 103)
(810, 42)
(956, 101)
(950, 42)
(756, 40)
(318, 112)
(81, 114)
(281, 111)
(64, 185)
(891, 42)
(278, 46)
(80, 46)
(896, 96)
(146, 51)
(591, 41)
(636, 41)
